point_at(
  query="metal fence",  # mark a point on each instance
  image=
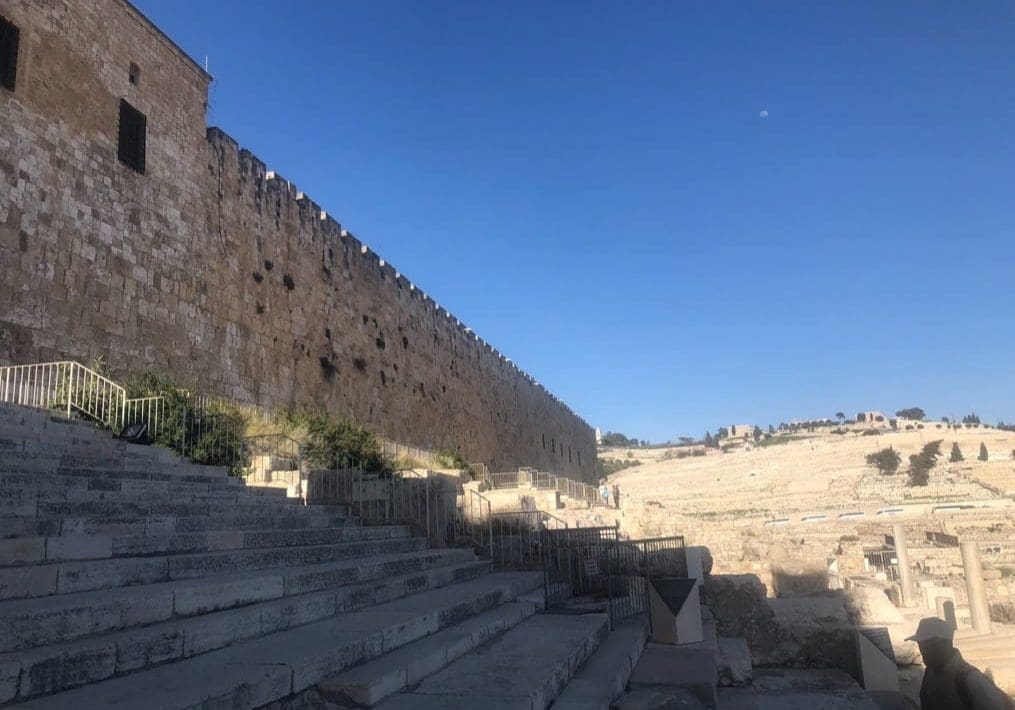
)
(516, 541)
(593, 564)
(542, 480)
(67, 386)
(884, 560)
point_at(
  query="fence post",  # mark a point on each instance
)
(70, 371)
(428, 538)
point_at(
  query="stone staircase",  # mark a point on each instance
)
(129, 578)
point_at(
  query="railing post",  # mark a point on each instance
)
(70, 384)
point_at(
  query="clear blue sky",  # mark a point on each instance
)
(592, 187)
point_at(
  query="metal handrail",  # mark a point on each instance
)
(66, 385)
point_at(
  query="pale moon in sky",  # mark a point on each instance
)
(763, 114)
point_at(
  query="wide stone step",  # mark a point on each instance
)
(31, 623)
(97, 509)
(140, 485)
(55, 668)
(604, 677)
(68, 577)
(283, 517)
(368, 684)
(19, 501)
(35, 550)
(276, 666)
(160, 472)
(525, 668)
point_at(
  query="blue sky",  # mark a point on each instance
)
(592, 187)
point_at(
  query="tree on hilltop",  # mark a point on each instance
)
(757, 433)
(861, 417)
(886, 461)
(911, 413)
(920, 464)
(971, 418)
(956, 453)
(724, 433)
(840, 416)
(983, 452)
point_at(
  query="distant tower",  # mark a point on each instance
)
(599, 436)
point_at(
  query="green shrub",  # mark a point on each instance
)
(920, 464)
(208, 432)
(886, 461)
(983, 452)
(956, 455)
(451, 459)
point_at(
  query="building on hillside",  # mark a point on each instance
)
(599, 436)
(740, 431)
(873, 419)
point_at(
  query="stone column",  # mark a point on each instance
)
(905, 571)
(979, 612)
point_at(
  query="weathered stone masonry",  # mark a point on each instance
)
(215, 270)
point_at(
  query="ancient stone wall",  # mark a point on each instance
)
(213, 269)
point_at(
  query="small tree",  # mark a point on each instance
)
(971, 419)
(983, 452)
(757, 434)
(911, 413)
(861, 417)
(840, 416)
(920, 464)
(956, 453)
(886, 461)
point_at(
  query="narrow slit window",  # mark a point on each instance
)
(134, 74)
(133, 130)
(10, 36)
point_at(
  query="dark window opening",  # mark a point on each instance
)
(134, 74)
(579, 459)
(569, 454)
(133, 129)
(544, 442)
(553, 446)
(10, 36)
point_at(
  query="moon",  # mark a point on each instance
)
(763, 114)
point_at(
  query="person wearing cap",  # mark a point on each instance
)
(949, 682)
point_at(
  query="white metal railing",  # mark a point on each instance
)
(145, 410)
(68, 386)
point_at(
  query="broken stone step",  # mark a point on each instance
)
(35, 550)
(527, 667)
(276, 666)
(370, 683)
(735, 666)
(287, 517)
(604, 677)
(33, 623)
(32, 581)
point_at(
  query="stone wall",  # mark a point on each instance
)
(215, 270)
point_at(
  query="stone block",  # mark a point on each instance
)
(22, 550)
(735, 667)
(210, 595)
(79, 547)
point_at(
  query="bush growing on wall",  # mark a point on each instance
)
(983, 452)
(331, 442)
(205, 432)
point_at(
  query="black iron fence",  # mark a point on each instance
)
(595, 566)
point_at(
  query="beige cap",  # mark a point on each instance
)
(933, 628)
